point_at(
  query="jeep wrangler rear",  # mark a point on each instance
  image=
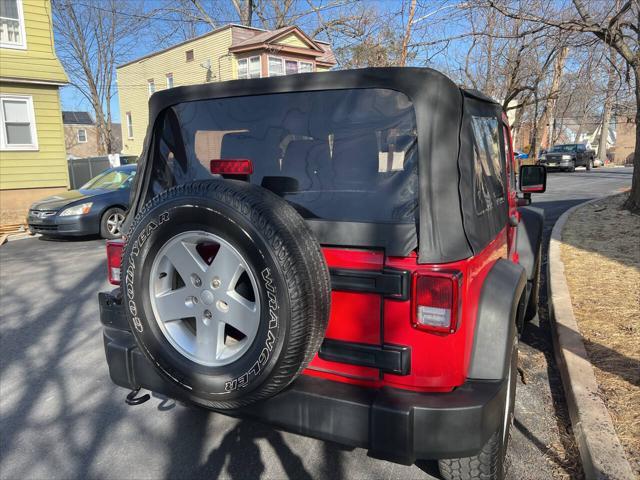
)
(340, 255)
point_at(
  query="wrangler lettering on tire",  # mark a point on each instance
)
(227, 291)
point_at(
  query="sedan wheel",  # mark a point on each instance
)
(111, 223)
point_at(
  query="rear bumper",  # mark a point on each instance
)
(395, 424)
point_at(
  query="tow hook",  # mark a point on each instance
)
(133, 400)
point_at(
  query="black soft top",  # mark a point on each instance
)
(445, 230)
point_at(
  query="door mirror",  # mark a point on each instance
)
(533, 178)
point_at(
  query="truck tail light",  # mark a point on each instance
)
(232, 166)
(436, 301)
(114, 260)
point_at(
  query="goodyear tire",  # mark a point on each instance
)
(227, 291)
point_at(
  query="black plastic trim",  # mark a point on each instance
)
(394, 359)
(388, 282)
(496, 323)
(528, 238)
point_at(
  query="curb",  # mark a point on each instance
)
(600, 449)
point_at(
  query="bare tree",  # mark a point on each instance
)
(616, 24)
(95, 37)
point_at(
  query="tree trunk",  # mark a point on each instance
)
(407, 34)
(549, 109)
(606, 111)
(247, 13)
(633, 202)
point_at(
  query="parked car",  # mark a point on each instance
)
(305, 252)
(568, 156)
(98, 207)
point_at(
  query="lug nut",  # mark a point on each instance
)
(195, 279)
(222, 306)
(191, 301)
(215, 283)
(207, 314)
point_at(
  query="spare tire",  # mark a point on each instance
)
(227, 291)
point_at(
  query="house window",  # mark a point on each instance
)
(290, 67)
(249, 68)
(82, 135)
(152, 86)
(18, 123)
(281, 66)
(169, 80)
(129, 125)
(12, 33)
(189, 54)
(275, 66)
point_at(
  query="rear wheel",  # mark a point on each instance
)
(489, 464)
(590, 164)
(111, 223)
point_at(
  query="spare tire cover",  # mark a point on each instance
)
(226, 290)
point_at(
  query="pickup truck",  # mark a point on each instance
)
(567, 157)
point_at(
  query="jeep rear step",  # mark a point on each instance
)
(396, 424)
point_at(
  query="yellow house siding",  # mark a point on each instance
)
(133, 79)
(46, 167)
(38, 62)
(292, 40)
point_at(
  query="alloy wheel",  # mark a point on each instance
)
(114, 223)
(204, 298)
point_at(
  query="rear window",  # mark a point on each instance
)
(341, 155)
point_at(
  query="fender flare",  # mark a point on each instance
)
(501, 304)
(529, 238)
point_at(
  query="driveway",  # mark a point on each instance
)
(60, 416)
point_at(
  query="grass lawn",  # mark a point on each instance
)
(601, 254)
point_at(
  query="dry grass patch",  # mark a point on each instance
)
(601, 254)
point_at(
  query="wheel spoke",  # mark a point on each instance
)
(171, 305)
(185, 259)
(226, 266)
(209, 338)
(241, 314)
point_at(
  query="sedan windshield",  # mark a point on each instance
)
(110, 180)
(564, 148)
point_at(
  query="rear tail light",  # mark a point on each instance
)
(436, 301)
(235, 166)
(114, 260)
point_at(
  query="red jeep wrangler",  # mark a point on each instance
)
(339, 254)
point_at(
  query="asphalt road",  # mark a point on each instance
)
(60, 416)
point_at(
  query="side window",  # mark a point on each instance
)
(510, 162)
(488, 182)
(582, 148)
